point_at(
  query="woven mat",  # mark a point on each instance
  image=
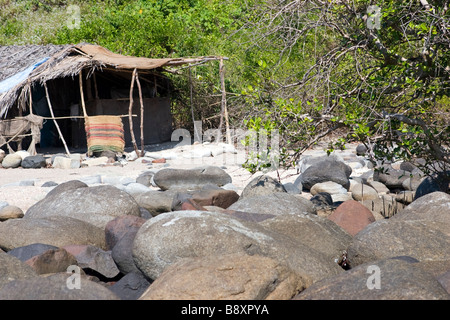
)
(104, 133)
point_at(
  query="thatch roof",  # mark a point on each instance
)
(64, 61)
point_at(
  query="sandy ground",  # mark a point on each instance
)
(25, 196)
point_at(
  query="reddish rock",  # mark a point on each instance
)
(52, 261)
(216, 197)
(352, 216)
(117, 228)
(189, 204)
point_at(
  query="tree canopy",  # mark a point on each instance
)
(378, 71)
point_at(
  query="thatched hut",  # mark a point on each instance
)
(69, 86)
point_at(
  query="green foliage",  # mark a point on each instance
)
(297, 67)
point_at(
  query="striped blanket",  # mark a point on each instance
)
(104, 133)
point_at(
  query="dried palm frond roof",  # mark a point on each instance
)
(64, 61)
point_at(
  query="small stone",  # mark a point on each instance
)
(11, 160)
(329, 187)
(34, 162)
(10, 212)
(362, 192)
(95, 161)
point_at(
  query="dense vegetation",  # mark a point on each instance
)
(379, 71)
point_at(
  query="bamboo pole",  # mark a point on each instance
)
(142, 114)
(224, 99)
(133, 138)
(56, 123)
(31, 97)
(82, 93)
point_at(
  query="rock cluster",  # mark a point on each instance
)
(183, 234)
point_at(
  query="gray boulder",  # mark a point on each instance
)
(90, 257)
(392, 178)
(423, 240)
(190, 178)
(399, 280)
(131, 286)
(65, 186)
(145, 178)
(55, 287)
(11, 268)
(316, 232)
(433, 206)
(171, 236)
(96, 205)
(325, 170)
(274, 204)
(34, 162)
(156, 201)
(56, 230)
(438, 182)
(225, 277)
(260, 186)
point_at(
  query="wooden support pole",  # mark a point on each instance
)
(142, 114)
(56, 123)
(30, 97)
(82, 94)
(224, 100)
(130, 113)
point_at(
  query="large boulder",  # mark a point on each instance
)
(260, 186)
(156, 201)
(438, 182)
(190, 178)
(326, 170)
(433, 206)
(316, 232)
(57, 231)
(224, 277)
(275, 204)
(171, 236)
(65, 186)
(398, 279)
(96, 205)
(11, 268)
(392, 178)
(423, 240)
(55, 287)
